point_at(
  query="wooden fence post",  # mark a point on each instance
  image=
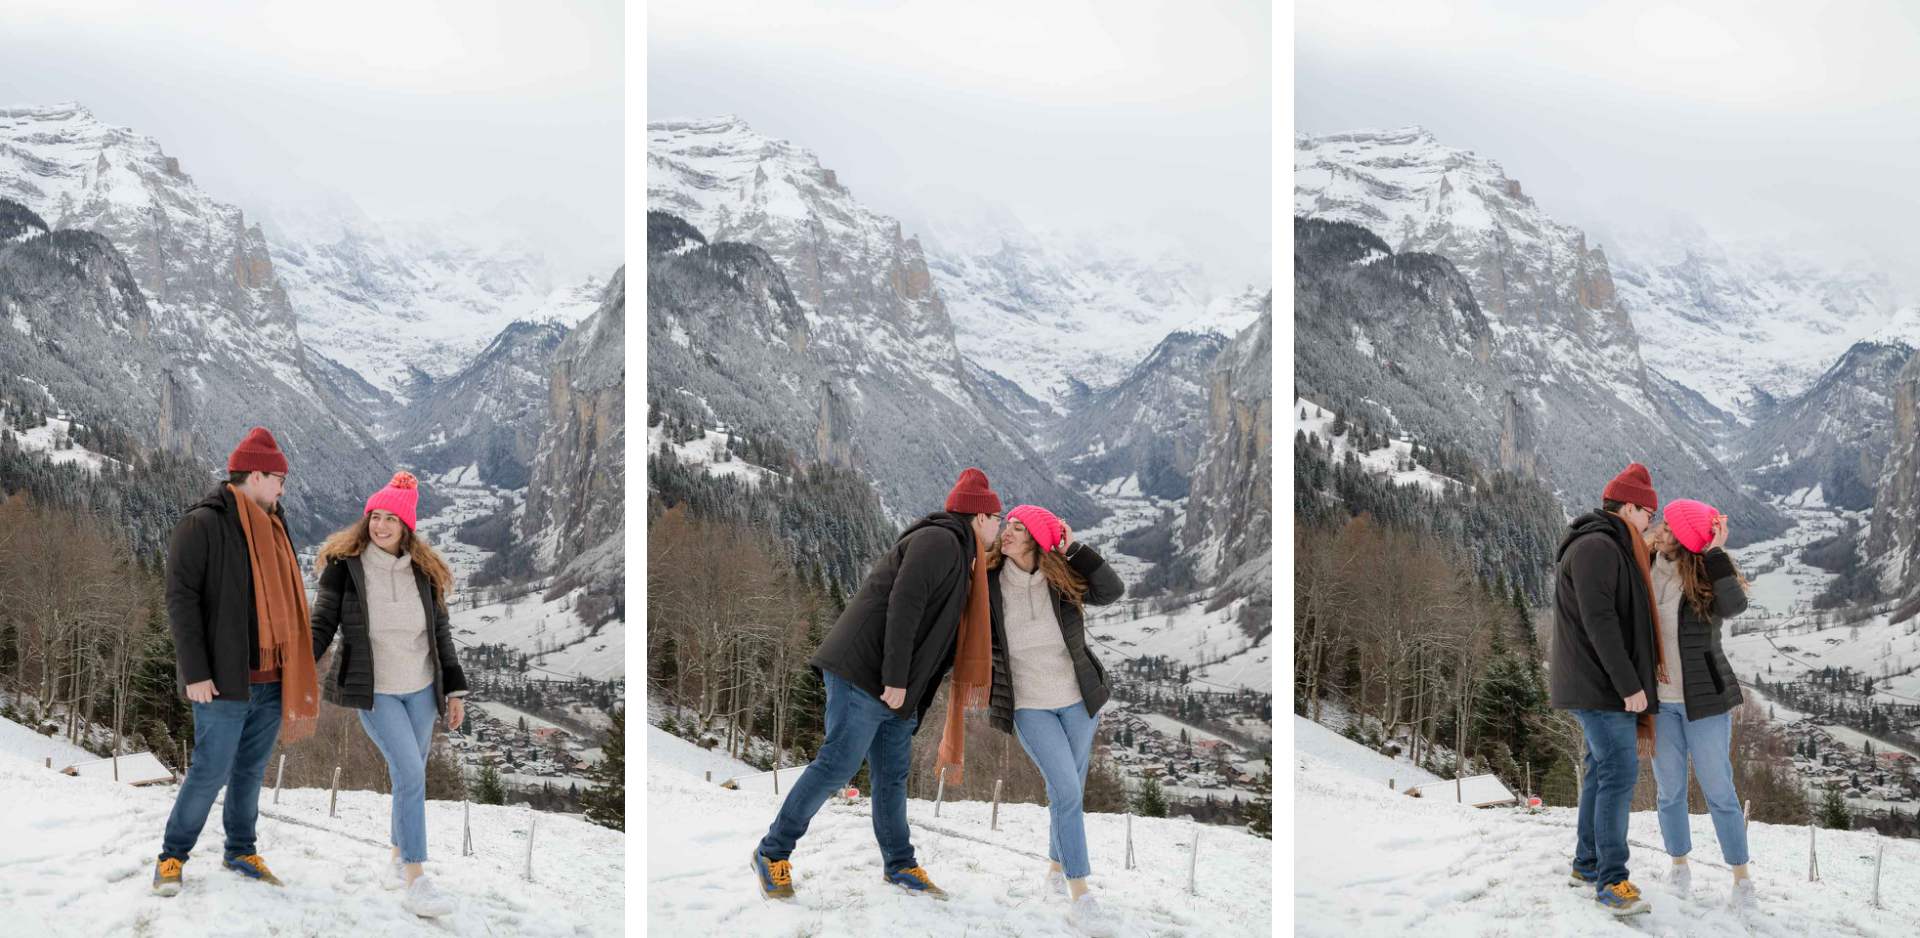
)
(1879, 856)
(333, 795)
(995, 823)
(1813, 856)
(940, 794)
(530, 823)
(1193, 862)
(281, 777)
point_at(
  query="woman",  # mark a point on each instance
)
(1696, 588)
(1047, 686)
(385, 591)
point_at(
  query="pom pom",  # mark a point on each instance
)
(403, 480)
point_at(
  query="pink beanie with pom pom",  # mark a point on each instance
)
(401, 496)
(1042, 524)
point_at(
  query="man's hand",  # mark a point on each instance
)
(456, 712)
(201, 692)
(1637, 702)
(894, 697)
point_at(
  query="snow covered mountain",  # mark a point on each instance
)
(1742, 324)
(394, 301)
(1833, 437)
(205, 347)
(1893, 542)
(861, 340)
(1047, 310)
(489, 414)
(1560, 351)
(1148, 428)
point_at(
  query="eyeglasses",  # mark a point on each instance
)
(279, 477)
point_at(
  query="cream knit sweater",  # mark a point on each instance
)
(396, 624)
(1042, 670)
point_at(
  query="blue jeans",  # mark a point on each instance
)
(859, 727)
(232, 740)
(1060, 743)
(1708, 743)
(401, 725)
(1606, 794)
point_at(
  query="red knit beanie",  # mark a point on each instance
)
(1041, 523)
(257, 453)
(1633, 486)
(401, 496)
(971, 496)
(1691, 523)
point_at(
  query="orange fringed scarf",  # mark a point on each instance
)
(280, 603)
(1643, 727)
(972, 670)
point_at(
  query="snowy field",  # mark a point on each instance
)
(1370, 861)
(701, 838)
(79, 856)
(1187, 634)
(1386, 462)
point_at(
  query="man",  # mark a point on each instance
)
(237, 605)
(1605, 650)
(881, 664)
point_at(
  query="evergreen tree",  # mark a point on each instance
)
(606, 801)
(1833, 810)
(1150, 801)
(488, 789)
(1261, 809)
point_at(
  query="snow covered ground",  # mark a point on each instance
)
(1371, 861)
(701, 837)
(79, 857)
(21, 743)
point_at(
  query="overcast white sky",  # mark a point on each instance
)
(413, 108)
(1761, 119)
(1074, 115)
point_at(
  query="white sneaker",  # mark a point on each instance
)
(1681, 878)
(426, 900)
(1743, 897)
(1092, 920)
(1056, 882)
(396, 877)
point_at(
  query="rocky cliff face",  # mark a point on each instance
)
(575, 507)
(1560, 349)
(1893, 543)
(1833, 438)
(490, 414)
(878, 369)
(1149, 428)
(1230, 510)
(222, 350)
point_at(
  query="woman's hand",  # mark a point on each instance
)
(1066, 536)
(1719, 533)
(456, 712)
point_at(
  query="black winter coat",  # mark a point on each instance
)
(341, 606)
(1603, 645)
(1706, 679)
(1104, 587)
(901, 627)
(216, 631)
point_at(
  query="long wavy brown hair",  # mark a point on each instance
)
(355, 538)
(1694, 585)
(1053, 565)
